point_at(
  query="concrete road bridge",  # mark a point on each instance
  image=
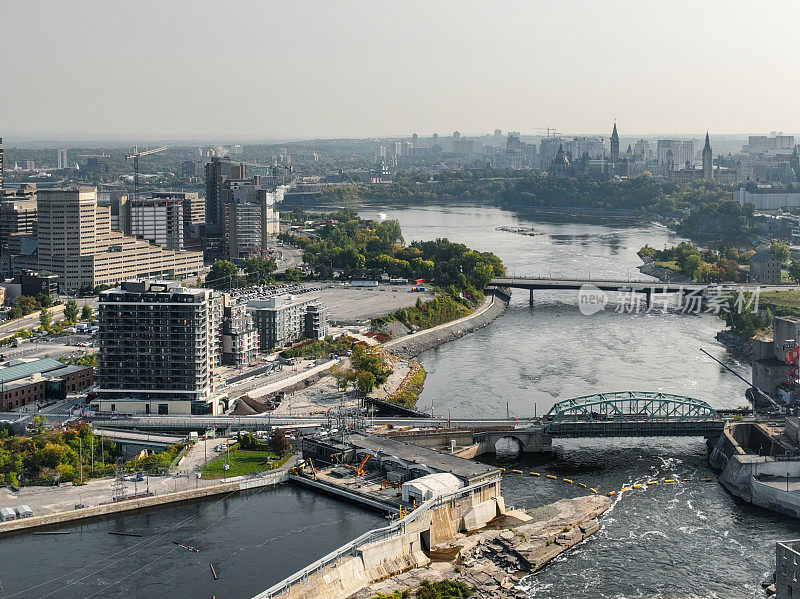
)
(648, 288)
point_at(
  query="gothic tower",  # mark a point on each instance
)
(614, 145)
(708, 161)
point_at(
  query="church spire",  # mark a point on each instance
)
(707, 147)
(708, 160)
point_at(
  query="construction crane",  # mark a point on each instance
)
(136, 155)
(359, 470)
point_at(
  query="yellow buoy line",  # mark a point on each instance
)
(649, 483)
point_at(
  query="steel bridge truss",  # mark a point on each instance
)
(632, 414)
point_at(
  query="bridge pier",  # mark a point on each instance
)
(530, 297)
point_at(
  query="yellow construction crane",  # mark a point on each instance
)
(136, 155)
(359, 470)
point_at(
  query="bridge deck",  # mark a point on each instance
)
(620, 285)
(633, 428)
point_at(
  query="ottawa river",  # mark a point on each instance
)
(668, 541)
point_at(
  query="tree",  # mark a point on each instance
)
(278, 444)
(794, 270)
(39, 423)
(223, 276)
(781, 251)
(343, 376)
(71, 310)
(258, 270)
(691, 265)
(44, 300)
(46, 319)
(86, 312)
(23, 306)
(365, 382)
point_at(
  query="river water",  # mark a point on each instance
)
(690, 539)
(254, 539)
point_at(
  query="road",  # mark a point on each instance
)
(31, 321)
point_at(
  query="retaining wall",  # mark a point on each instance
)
(135, 504)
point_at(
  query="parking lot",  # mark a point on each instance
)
(349, 304)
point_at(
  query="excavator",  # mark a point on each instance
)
(359, 470)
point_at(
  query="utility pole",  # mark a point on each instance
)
(80, 457)
(92, 445)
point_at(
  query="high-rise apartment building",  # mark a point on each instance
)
(159, 346)
(76, 242)
(62, 158)
(218, 171)
(158, 220)
(239, 334)
(1, 165)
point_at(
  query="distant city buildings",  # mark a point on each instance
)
(62, 158)
(158, 220)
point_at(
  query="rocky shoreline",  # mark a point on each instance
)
(736, 344)
(413, 345)
(495, 561)
(664, 275)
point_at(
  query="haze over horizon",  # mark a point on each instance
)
(193, 70)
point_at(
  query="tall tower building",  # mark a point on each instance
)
(62, 158)
(614, 144)
(1, 166)
(708, 161)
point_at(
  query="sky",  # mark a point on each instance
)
(266, 70)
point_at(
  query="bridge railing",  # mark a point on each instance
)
(379, 534)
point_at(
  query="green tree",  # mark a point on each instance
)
(691, 265)
(39, 423)
(44, 300)
(46, 319)
(71, 310)
(365, 382)
(86, 312)
(278, 444)
(781, 251)
(23, 306)
(258, 270)
(223, 276)
(794, 270)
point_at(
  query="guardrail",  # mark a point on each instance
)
(379, 534)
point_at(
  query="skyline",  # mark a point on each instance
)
(317, 71)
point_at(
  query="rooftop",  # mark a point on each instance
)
(19, 370)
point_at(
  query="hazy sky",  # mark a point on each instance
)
(258, 69)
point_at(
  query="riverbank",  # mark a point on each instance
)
(494, 562)
(665, 275)
(494, 304)
(736, 344)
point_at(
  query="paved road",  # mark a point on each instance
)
(31, 321)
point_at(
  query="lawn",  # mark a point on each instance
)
(788, 298)
(670, 264)
(242, 462)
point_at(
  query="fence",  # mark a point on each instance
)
(396, 528)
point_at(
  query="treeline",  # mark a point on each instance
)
(425, 315)
(367, 249)
(701, 265)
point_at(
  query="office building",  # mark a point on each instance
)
(158, 220)
(769, 145)
(33, 283)
(675, 154)
(62, 157)
(787, 569)
(284, 320)
(75, 242)
(16, 216)
(239, 335)
(24, 382)
(159, 346)
(1, 165)
(218, 171)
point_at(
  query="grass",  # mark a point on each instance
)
(783, 298)
(669, 264)
(242, 462)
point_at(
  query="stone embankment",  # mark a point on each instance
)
(494, 304)
(662, 274)
(495, 561)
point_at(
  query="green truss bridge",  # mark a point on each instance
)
(633, 414)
